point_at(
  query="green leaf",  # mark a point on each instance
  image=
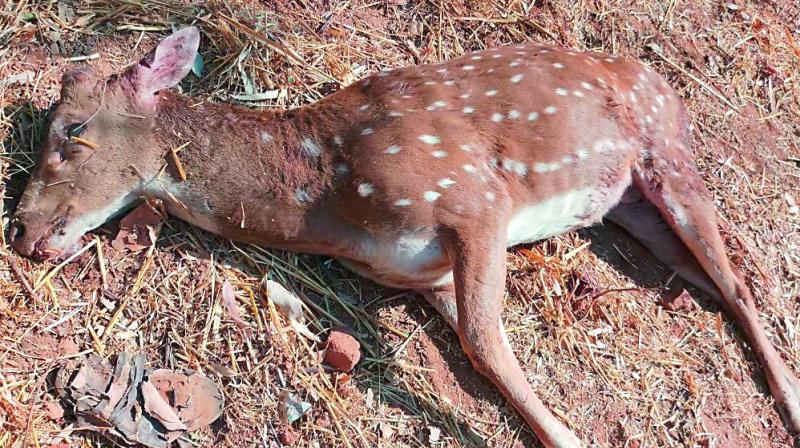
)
(28, 17)
(198, 66)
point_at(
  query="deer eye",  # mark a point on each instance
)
(74, 130)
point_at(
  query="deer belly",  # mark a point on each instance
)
(410, 261)
(554, 216)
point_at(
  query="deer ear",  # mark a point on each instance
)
(171, 61)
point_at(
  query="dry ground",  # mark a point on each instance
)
(582, 309)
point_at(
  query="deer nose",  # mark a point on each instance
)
(16, 237)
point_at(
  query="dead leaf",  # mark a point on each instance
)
(229, 299)
(290, 305)
(155, 405)
(137, 229)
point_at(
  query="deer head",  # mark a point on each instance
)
(100, 150)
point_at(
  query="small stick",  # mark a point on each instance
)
(174, 153)
(55, 270)
(83, 58)
(21, 277)
(84, 142)
(102, 262)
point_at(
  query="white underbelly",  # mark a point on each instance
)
(552, 217)
(414, 260)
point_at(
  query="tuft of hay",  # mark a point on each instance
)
(581, 308)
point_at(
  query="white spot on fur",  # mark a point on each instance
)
(566, 160)
(342, 168)
(436, 105)
(429, 83)
(513, 114)
(561, 92)
(542, 167)
(468, 109)
(489, 196)
(465, 96)
(310, 147)
(469, 168)
(468, 67)
(365, 189)
(582, 153)
(578, 93)
(449, 82)
(394, 149)
(431, 196)
(497, 118)
(491, 92)
(430, 139)
(558, 65)
(515, 166)
(465, 147)
(337, 140)
(366, 131)
(533, 116)
(402, 202)
(439, 154)
(364, 107)
(302, 195)
(476, 58)
(513, 64)
(446, 182)
(266, 138)
(550, 110)
(586, 85)
(517, 78)
(395, 113)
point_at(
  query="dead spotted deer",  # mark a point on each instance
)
(417, 178)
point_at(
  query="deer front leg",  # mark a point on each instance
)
(478, 254)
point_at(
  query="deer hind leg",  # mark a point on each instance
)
(678, 193)
(643, 221)
(443, 299)
(479, 254)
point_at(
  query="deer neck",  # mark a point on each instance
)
(253, 176)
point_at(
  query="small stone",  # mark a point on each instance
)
(683, 301)
(342, 351)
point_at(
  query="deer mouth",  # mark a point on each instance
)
(38, 246)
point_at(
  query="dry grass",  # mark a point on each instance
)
(615, 365)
